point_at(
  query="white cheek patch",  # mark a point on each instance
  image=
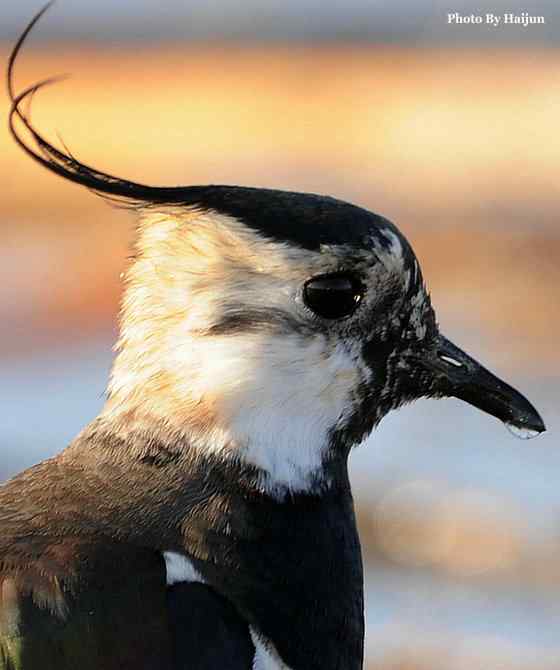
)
(180, 569)
(266, 657)
(274, 399)
(289, 397)
(264, 397)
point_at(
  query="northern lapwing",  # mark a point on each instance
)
(204, 520)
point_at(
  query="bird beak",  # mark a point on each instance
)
(456, 374)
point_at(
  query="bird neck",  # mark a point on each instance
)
(276, 429)
(140, 464)
(292, 566)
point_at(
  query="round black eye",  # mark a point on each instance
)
(333, 296)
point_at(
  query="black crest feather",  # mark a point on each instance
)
(64, 163)
(305, 219)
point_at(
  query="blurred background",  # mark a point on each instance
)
(449, 130)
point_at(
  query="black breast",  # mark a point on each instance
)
(293, 569)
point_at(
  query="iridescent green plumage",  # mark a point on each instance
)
(113, 614)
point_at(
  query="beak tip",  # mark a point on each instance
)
(539, 428)
(527, 426)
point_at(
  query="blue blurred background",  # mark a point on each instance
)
(452, 132)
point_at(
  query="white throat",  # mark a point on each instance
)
(268, 401)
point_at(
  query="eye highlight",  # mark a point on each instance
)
(333, 296)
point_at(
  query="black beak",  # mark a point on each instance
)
(456, 374)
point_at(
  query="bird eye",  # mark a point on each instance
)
(333, 296)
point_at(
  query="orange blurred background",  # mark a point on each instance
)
(460, 147)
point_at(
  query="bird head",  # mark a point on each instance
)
(271, 327)
(279, 328)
